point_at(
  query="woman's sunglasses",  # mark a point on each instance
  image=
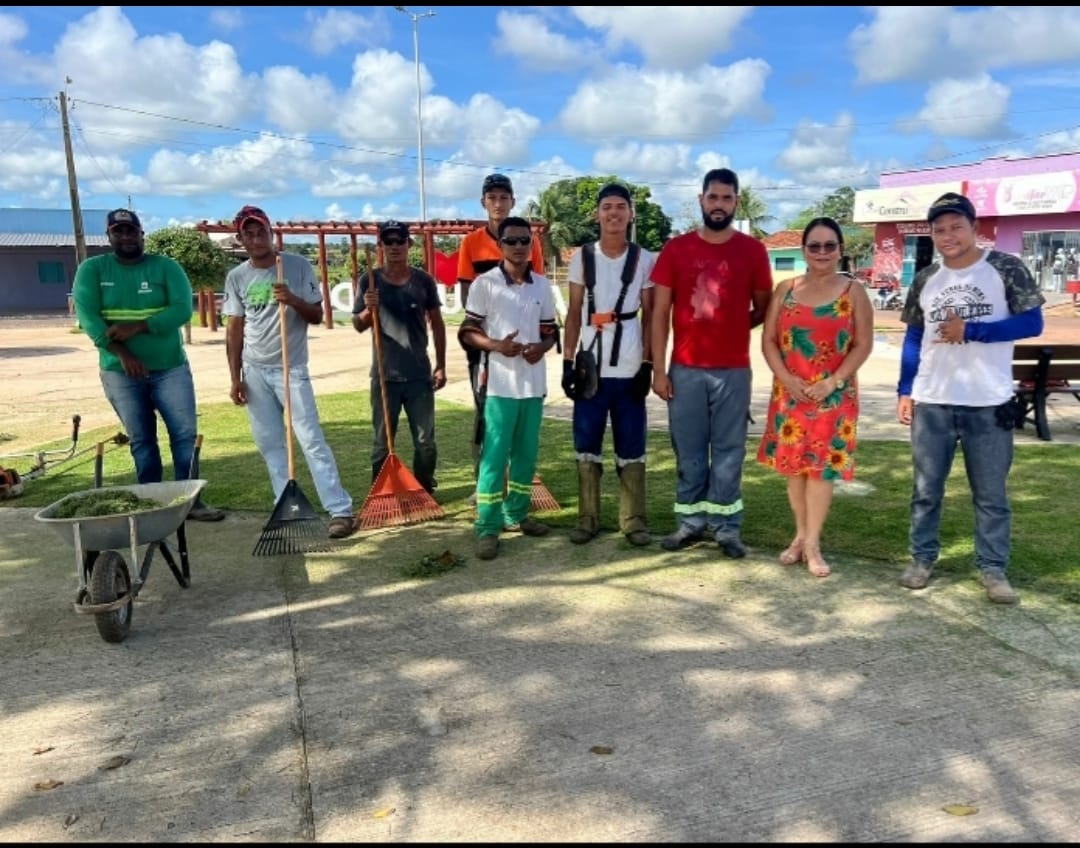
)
(822, 247)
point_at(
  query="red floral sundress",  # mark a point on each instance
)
(805, 437)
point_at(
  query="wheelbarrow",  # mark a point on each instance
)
(106, 588)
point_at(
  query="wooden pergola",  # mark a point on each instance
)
(427, 231)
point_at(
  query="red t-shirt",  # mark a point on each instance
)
(711, 297)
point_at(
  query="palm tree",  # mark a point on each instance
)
(752, 209)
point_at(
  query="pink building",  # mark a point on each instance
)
(1028, 207)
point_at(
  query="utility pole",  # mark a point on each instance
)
(73, 185)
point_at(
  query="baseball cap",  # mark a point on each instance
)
(249, 213)
(122, 217)
(614, 190)
(494, 181)
(950, 201)
(392, 226)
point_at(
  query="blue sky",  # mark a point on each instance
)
(188, 112)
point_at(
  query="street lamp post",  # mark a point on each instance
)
(416, 16)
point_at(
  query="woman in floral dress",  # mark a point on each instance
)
(817, 333)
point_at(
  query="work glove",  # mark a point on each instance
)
(569, 383)
(641, 382)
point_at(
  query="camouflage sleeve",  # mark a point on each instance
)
(1021, 291)
(912, 313)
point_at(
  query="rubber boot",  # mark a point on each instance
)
(632, 504)
(588, 522)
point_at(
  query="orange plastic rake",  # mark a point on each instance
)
(396, 496)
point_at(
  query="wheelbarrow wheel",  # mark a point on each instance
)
(109, 582)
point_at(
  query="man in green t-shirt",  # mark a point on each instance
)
(132, 305)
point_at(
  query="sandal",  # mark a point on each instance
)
(792, 554)
(816, 564)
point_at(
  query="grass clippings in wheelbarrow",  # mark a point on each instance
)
(112, 502)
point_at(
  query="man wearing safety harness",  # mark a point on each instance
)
(609, 290)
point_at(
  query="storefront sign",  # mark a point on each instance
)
(1034, 194)
(899, 204)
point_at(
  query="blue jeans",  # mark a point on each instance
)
(417, 397)
(613, 398)
(936, 429)
(138, 401)
(707, 420)
(265, 386)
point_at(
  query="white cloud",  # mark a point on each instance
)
(662, 104)
(337, 28)
(265, 167)
(228, 20)
(966, 108)
(674, 37)
(643, 160)
(1066, 141)
(529, 39)
(298, 102)
(927, 42)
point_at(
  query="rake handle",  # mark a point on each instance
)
(285, 372)
(377, 335)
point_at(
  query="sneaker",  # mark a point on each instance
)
(683, 537)
(998, 589)
(732, 546)
(637, 538)
(342, 526)
(532, 528)
(202, 512)
(916, 575)
(487, 547)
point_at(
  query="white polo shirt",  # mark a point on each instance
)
(503, 307)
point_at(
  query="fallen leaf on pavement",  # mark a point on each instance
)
(114, 762)
(601, 749)
(42, 750)
(960, 809)
(70, 820)
(46, 785)
(384, 812)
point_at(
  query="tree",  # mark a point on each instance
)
(840, 206)
(206, 263)
(569, 209)
(752, 209)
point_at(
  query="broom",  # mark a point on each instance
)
(294, 526)
(396, 496)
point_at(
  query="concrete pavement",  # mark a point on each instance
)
(559, 693)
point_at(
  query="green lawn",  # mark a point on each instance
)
(871, 525)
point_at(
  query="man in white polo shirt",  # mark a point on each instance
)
(510, 318)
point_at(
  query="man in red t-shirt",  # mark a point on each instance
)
(711, 286)
(479, 252)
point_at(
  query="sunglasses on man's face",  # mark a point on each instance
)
(394, 242)
(822, 246)
(519, 241)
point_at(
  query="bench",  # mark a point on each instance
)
(1041, 370)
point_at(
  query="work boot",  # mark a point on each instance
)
(917, 575)
(632, 504)
(588, 521)
(998, 589)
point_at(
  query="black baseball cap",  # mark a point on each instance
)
(122, 218)
(494, 181)
(392, 226)
(950, 201)
(614, 190)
